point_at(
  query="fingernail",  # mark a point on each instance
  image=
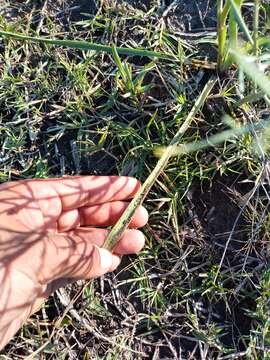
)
(116, 260)
(105, 258)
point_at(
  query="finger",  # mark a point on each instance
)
(108, 214)
(131, 242)
(100, 215)
(76, 192)
(73, 256)
(68, 220)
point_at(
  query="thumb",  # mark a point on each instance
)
(73, 256)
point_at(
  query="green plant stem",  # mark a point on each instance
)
(233, 33)
(85, 45)
(119, 228)
(256, 28)
(233, 27)
(226, 10)
(222, 14)
(236, 10)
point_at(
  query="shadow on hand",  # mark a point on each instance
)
(36, 259)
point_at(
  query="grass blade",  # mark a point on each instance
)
(233, 25)
(118, 229)
(241, 23)
(215, 139)
(119, 63)
(85, 45)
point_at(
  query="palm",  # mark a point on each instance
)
(51, 230)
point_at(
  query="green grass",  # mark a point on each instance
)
(198, 287)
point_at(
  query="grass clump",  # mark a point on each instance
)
(199, 289)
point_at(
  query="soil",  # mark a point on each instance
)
(217, 207)
(192, 15)
(185, 15)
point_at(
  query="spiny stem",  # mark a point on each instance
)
(121, 225)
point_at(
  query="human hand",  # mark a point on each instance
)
(50, 234)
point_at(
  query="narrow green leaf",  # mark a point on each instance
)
(262, 42)
(128, 72)
(118, 229)
(214, 139)
(241, 22)
(140, 77)
(224, 12)
(233, 25)
(119, 63)
(85, 45)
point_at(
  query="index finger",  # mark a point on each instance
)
(76, 192)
